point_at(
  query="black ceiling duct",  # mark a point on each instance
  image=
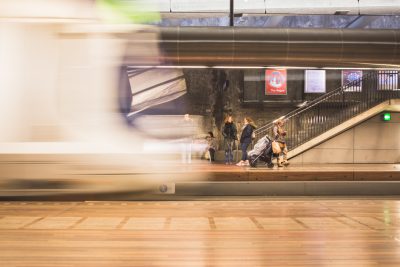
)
(263, 47)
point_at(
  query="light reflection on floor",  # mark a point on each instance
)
(231, 232)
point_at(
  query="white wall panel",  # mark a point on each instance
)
(379, 7)
(199, 6)
(154, 5)
(376, 156)
(341, 141)
(379, 135)
(365, 7)
(322, 156)
(249, 6)
(372, 141)
(311, 6)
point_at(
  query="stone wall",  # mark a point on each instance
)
(214, 93)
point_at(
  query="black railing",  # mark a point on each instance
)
(336, 107)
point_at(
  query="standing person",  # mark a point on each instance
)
(245, 140)
(279, 136)
(188, 129)
(230, 135)
(212, 146)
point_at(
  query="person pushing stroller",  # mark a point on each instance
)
(262, 151)
(279, 136)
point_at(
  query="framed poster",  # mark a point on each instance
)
(275, 82)
(388, 80)
(350, 76)
(315, 81)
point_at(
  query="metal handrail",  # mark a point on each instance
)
(314, 102)
(335, 107)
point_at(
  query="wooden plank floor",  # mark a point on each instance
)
(239, 232)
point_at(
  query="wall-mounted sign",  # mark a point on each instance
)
(388, 80)
(275, 82)
(315, 81)
(351, 80)
(386, 116)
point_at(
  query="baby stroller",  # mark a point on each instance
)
(262, 151)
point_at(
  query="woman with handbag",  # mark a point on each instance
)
(229, 132)
(245, 140)
(279, 137)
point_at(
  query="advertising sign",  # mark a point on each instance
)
(315, 81)
(275, 82)
(350, 78)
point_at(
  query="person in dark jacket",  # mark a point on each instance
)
(245, 140)
(229, 132)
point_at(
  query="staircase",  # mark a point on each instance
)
(334, 108)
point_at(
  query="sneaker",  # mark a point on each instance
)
(246, 163)
(240, 163)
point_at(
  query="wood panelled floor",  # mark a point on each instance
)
(230, 232)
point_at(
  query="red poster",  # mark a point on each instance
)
(275, 82)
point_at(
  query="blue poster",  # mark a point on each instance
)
(352, 80)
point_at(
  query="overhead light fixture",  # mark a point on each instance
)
(341, 12)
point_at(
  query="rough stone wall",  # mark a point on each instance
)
(211, 96)
(215, 93)
(296, 21)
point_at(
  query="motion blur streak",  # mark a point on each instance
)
(62, 133)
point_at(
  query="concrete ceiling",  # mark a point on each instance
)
(279, 13)
(347, 7)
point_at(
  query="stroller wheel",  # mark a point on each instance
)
(253, 162)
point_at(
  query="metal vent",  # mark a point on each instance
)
(341, 12)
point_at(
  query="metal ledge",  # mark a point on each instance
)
(303, 188)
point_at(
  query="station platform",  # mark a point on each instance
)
(122, 177)
(302, 172)
(294, 180)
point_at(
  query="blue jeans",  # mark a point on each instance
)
(229, 147)
(244, 147)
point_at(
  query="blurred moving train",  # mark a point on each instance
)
(76, 76)
(69, 106)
